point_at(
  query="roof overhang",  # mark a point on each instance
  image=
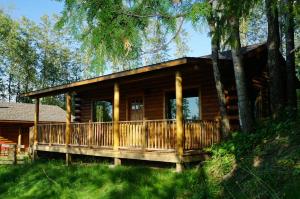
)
(22, 122)
(146, 69)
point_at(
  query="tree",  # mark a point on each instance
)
(214, 26)
(275, 70)
(232, 13)
(36, 56)
(290, 55)
(115, 32)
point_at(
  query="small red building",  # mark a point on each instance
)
(17, 118)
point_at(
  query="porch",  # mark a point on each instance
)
(154, 114)
(152, 140)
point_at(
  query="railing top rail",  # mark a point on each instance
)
(91, 122)
(135, 121)
(51, 124)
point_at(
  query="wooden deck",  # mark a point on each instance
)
(153, 140)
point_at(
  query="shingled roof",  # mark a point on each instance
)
(25, 112)
(246, 49)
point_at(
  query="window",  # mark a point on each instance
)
(136, 108)
(191, 105)
(102, 111)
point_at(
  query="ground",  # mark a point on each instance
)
(264, 164)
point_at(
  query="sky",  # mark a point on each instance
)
(198, 42)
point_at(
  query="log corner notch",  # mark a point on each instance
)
(116, 116)
(179, 120)
(35, 131)
(68, 125)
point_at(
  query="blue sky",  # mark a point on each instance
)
(199, 42)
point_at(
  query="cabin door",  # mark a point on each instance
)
(135, 108)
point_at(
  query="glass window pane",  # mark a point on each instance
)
(102, 111)
(190, 106)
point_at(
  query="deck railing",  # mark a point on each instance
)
(149, 134)
(146, 134)
(52, 133)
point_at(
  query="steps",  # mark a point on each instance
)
(4, 140)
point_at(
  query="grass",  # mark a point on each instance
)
(265, 164)
(54, 180)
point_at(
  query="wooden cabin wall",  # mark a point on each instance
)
(9, 134)
(153, 89)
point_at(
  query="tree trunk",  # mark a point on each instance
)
(215, 46)
(9, 87)
(275, 72)
(290, 56)
(244, 103)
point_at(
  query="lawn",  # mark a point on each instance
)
(53, 179)
(265, 164)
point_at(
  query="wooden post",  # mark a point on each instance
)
(68, 126)
(179, 119)
(14, 154)
(144, 136)
(90, 134)
(50, 135)
(116, 121)
(35, 130)
(19, 139)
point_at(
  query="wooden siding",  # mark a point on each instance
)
(10, 135)
(153, 89)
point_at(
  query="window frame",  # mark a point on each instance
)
(168, 91)
(93, 101)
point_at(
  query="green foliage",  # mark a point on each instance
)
(36, 56)
(122, 34)
(267, 161)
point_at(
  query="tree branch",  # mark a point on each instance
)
(165, 45)
(153, 15)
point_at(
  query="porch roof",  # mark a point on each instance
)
(226, 55)
(145, 69)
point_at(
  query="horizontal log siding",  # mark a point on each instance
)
(10, 134)
(153, 89)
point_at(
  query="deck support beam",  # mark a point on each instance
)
(116, 121)
(68, 125)
(179, 119)
(35, 131)
(117, 161)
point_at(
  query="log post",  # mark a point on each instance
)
(15, 154)
(90, 134)
(19, 140)
(179, 119)
(50, 134)
(144, 135)
(35, 130)
(68, 126)
(117, 161)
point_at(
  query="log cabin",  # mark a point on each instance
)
(17, 118)
(165, 112)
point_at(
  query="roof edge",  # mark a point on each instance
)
(144, 69)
